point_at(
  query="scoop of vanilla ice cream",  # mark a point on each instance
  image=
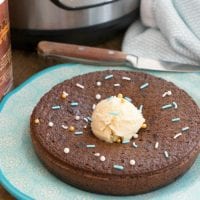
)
(116, 117)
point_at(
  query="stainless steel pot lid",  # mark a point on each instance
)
(81, 4)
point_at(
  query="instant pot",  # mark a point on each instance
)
(72, 21)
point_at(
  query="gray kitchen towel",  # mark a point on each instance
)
(168, 30)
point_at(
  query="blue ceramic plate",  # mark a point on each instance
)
(23, 175)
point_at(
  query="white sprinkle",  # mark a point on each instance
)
(168, 93)
(167, 106)
(55, 107)
(185, 128)
(97, 154)
(135, 145)
(144, 86)
(135, 136)
(132, 162)
(94, 106)
(85, 126)
(175, 105)
(90, 145)
(80, 86)
(177, 135)
(66, 150)
(108, 77)
(102, 158)
(166, 154)
(64, 94)
(78, 133)
(126, 78)
(117, 85)
(156, 145)
(50, 124)
(141, 107)
(98, 96)
(176, 119)
(77, 117)
(86, 119)
(99, 83)
(64, 127)
(89, 119)
(128, 99)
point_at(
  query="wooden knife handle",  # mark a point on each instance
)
(83, 53)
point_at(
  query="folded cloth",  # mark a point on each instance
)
(169, 30)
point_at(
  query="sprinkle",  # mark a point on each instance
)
(98, 96)
(74, 104)
(144, 126)
(66, 150)
(85, 127)
(64, 95)
(156, 145)
(168, 93)
(86, 119)
(50, 124)
(64, 127)
(167, 106)
(185, 128)
(99, 83)
(135, 136)
(90, 145)
(144, 86)
(108, 77)
(114, 113)
(176, 119)
(135, 145)
(175, 105)
(89, 119)
(141, 107)
(94, 106)
(78, 133)
(118, 167)
(166, 154)
(102, 158)
(80, 86)
(77, 118)
(177, 135)
(36, 121)
(125, 141)
(55, 107)
(117, 85)
(128, 99)
(126, 78)
(97, 154)
(71, 129)
(132, 162)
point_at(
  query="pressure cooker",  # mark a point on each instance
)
(72, 21)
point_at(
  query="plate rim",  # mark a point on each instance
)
(4, 182)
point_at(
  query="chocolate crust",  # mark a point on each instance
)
(82, 169)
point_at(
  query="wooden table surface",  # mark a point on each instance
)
(25, 64)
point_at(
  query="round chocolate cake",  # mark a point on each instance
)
(165, 148)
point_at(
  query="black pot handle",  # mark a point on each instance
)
(69, 7)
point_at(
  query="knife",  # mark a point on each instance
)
(91, 55)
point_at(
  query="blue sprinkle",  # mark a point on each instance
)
(128, 99)
(185, 128)
(167, 106)
(141, 107)
(78, 133)
(144, 86)
(114, 113)
(176, 119)
(90, 145)
(108, 77)
(118, 167)
(125, 141)
(74, 104)
(55, 107)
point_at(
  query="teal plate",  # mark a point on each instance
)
(22, 174)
